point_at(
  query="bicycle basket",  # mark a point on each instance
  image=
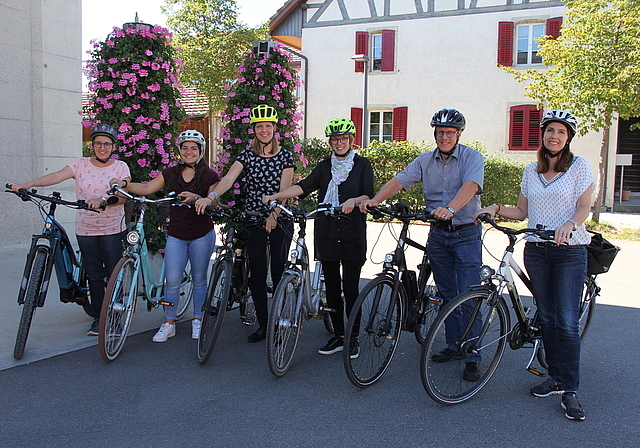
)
(164, 208)
(601, 254)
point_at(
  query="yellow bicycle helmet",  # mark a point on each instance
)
(340, 126)
(263, 112)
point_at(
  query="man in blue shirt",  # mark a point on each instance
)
(452, 176)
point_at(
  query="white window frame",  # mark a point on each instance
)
(376, 46)
(525, 37)
(379, 121)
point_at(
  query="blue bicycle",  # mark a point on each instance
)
(49, 249)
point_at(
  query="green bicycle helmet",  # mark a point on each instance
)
(263, 112)
(340, 126)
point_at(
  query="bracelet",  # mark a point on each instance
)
(497, 211)
(214, 194)
(575, 224)
(127, 183)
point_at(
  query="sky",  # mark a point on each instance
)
(99, 17)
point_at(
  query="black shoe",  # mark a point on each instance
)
(95, 327)
(354, 349)
(549, 387)
(571, 406)
(446, 355)
(335, 344)
(471, 372)
(258, 335)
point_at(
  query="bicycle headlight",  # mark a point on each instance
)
(133, 237)
(388, 258)
(294, 256)
(486, 272)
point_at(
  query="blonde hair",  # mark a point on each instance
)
(258, 147)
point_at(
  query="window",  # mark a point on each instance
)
(525, 44)
(527, 53)
(524, 127)
(380, 47)
(383, 125)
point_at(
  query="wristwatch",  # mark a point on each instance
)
(451, 209)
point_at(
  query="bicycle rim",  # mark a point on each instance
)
(376, 336)
(283, 328)
(117, 308)
(31, 296)
(213, 309)
(186, 292)
(482, 342)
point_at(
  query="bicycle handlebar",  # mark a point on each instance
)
(28, 195)
(544, 234)
(402, 214)
(325, 208)
(171, 197)
(224, 211)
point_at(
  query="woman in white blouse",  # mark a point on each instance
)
(556, 193)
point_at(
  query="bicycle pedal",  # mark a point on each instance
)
(535, 371)
(165, 303)
(327, 309)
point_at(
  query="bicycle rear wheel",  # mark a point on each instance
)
(214, 307)
(186, 292)
(35, 280)
(117, 308)
(483, 320)
(429, 308)
(283, 329)
(375, 324)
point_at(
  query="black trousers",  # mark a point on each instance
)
(336, 284)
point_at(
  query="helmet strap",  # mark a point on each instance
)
(103, 161)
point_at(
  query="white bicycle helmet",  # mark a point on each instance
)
(192, 135)
(560, 116)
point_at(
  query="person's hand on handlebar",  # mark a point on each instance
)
(348, 206)
(562, 234)
(366, 205)
(96, 204)
(491, 210)
(25, 186)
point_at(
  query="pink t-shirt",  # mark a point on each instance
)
(93, 182)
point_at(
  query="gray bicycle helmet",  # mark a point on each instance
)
(104, 129)
(449, 118)
(560, 116)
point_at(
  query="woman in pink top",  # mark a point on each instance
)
(100, 235)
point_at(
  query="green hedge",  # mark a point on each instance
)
(501, 177)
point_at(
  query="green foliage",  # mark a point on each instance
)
(211, 43)
(265, 79)
(502, 177)
(134, 79)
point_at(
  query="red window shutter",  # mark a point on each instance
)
(553, 27)
(362, 47)
(524, 127)
(388, 50)
(356, 117)
(505, 43)
(400, 124)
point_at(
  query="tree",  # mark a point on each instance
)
(595, 70)
(134, 80)
(211, 43)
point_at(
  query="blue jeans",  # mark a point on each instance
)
(177, 253)
(557, 278)
(455, 259)
(100, 254)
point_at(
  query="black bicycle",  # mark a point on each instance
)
(486, 326)
(228, 286)
(49, 249)
(394, 300)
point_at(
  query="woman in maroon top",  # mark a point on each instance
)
(191, 236)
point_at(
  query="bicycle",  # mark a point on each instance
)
(298, 296)
(488, 329)
(228, 286)
(394, 300)
(133, 277)
(42, 257)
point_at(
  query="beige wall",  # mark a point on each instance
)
(40, 96)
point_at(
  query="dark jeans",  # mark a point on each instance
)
(100, 254)
(557, 278)
(257, 241)
(349, 284)
(455, 259)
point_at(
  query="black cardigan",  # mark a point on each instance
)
(341, 238)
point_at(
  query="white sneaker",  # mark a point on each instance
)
(195, 328)
(165, 332)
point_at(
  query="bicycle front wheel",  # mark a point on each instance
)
(117, 308)
(374, 326)
(283, 328)
(429, 307)
(186, 292)
(214, 307)
(35, 280)
(482, 320)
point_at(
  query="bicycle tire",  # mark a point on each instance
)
(117, 308)
(587, 308)
(283, 328)
(430, 304)
(367, 324)
(214, 307)
(85, 294)
(186, 292)
(444, 381)
(35, 280)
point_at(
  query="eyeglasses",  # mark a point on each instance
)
(447, 133)
(344, 139)
(105, 145)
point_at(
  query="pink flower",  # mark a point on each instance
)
(261, 97)
(148, 52)
(113, 60)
